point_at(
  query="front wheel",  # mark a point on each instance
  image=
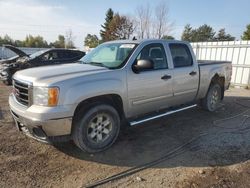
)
(213, 98)
(97, 128)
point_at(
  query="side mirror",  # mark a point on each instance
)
(143, 65)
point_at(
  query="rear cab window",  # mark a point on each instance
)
(181, 55)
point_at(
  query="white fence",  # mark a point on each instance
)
(236, 51)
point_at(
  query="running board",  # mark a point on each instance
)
(161, 115)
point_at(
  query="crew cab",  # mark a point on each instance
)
(117, 84)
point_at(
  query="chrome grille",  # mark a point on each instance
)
(21, 92)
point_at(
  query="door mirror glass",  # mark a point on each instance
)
(143, 65)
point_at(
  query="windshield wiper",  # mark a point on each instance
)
(97, 64)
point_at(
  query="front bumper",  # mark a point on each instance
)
(34, 125)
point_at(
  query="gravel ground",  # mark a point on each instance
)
(218, 158)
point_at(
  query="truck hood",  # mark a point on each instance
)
(51, 74)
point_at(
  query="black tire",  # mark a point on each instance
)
(90, 134)
(213, 98)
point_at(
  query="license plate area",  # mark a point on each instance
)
(21, 127)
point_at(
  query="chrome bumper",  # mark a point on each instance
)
(42, 130)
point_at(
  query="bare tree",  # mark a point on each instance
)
(162, 24)
(143, 20)
(69, 39)
(121, 27)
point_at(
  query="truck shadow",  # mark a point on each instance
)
(226, 140)
(1, 114)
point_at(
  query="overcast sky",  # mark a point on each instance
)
(50, 18)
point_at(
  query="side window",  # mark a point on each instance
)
(181, 55)
(63, 55)
(45, 57)
(53, 56)
(68, 55)
(50, 56)
(156, 53)
(74, 55)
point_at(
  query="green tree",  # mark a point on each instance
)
(105, 31)
(6, 40)
(19, 43)
(29, 41)
(35, 42)
(187, 34)
(168, 37)
(201, 34)
(59, 43)
(204, 33)
(91, 41)
(223, 36)
(121, 27)
(246, 34)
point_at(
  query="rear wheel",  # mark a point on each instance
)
(213, 98)
(97, 128)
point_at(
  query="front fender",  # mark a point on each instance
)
(85, 90)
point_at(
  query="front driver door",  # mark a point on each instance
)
(150, 90)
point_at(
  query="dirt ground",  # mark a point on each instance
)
(218, 155)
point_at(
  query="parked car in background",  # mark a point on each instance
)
(19, 53)
(37, 59)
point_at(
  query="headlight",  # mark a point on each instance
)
(45, 96)
(4, 73)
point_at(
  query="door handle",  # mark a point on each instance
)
(192, 73)
(166, 77)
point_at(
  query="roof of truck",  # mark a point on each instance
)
(145, 40)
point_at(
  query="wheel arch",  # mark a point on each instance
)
(217, 79)
(114, 100)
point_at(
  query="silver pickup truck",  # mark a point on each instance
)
(119, 83)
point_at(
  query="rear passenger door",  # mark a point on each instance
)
(186, 75)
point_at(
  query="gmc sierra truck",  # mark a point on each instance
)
(118, 83)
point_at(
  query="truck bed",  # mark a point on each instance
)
(210, 68)
(209, 62)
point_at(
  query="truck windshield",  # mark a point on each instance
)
(110, 55)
